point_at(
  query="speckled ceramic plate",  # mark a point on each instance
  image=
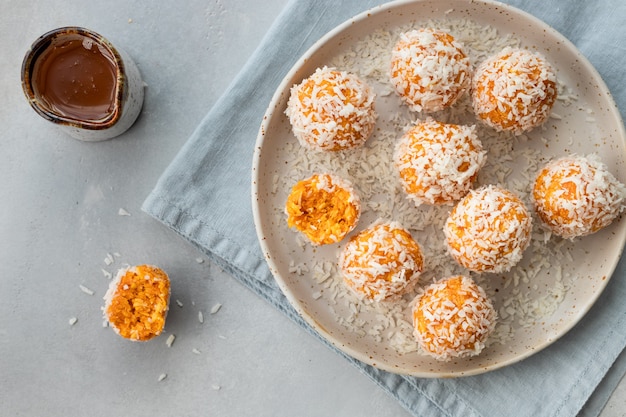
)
(538, 301)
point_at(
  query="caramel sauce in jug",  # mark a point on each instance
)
(76, 78)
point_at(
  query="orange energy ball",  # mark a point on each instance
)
(488, 230)
(453, 318)
(382, 262)
(437, 162)
(576, 196)
(514, 90)
(324, 207)
(430, 69)
(331, 110)
(137, 301)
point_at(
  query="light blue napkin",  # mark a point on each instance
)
(204, 195)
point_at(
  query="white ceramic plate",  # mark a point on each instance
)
(542, 298)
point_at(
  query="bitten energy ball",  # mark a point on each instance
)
(331, 110)
(488, 230)
(576, 196)
(514, 90)
(430, 69)
(453, 318)
(137, 301)
(381, 262)
(323, 207)
(437, 162)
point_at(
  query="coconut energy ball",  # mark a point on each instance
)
(437, 162)
(430, 69)
(577, 196)
(137, 302)
(453, 318)
(488, 230)
(324, 207)
(331, 110)
(514, 90)
(382, 262)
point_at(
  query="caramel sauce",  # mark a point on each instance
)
(76, 78)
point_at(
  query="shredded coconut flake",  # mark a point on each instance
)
(216, 308)
(86, 290)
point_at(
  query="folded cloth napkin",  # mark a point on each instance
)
(204, 195)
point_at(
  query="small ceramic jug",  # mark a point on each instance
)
(78, 80)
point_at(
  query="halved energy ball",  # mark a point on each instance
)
(514, 90)
(453, 318)
(331, 110)
(430, 69)
(137, 302)
(324, 207)
(438, 162)
(577, 196)
(382, 262)
(488, 230)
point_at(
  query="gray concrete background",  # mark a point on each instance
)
(60, 220)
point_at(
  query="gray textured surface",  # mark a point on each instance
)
(60, 218)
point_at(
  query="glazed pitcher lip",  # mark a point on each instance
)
(37, 49)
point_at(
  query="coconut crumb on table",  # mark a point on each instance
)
(216, 308)
(86, 290)
(109, 259)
